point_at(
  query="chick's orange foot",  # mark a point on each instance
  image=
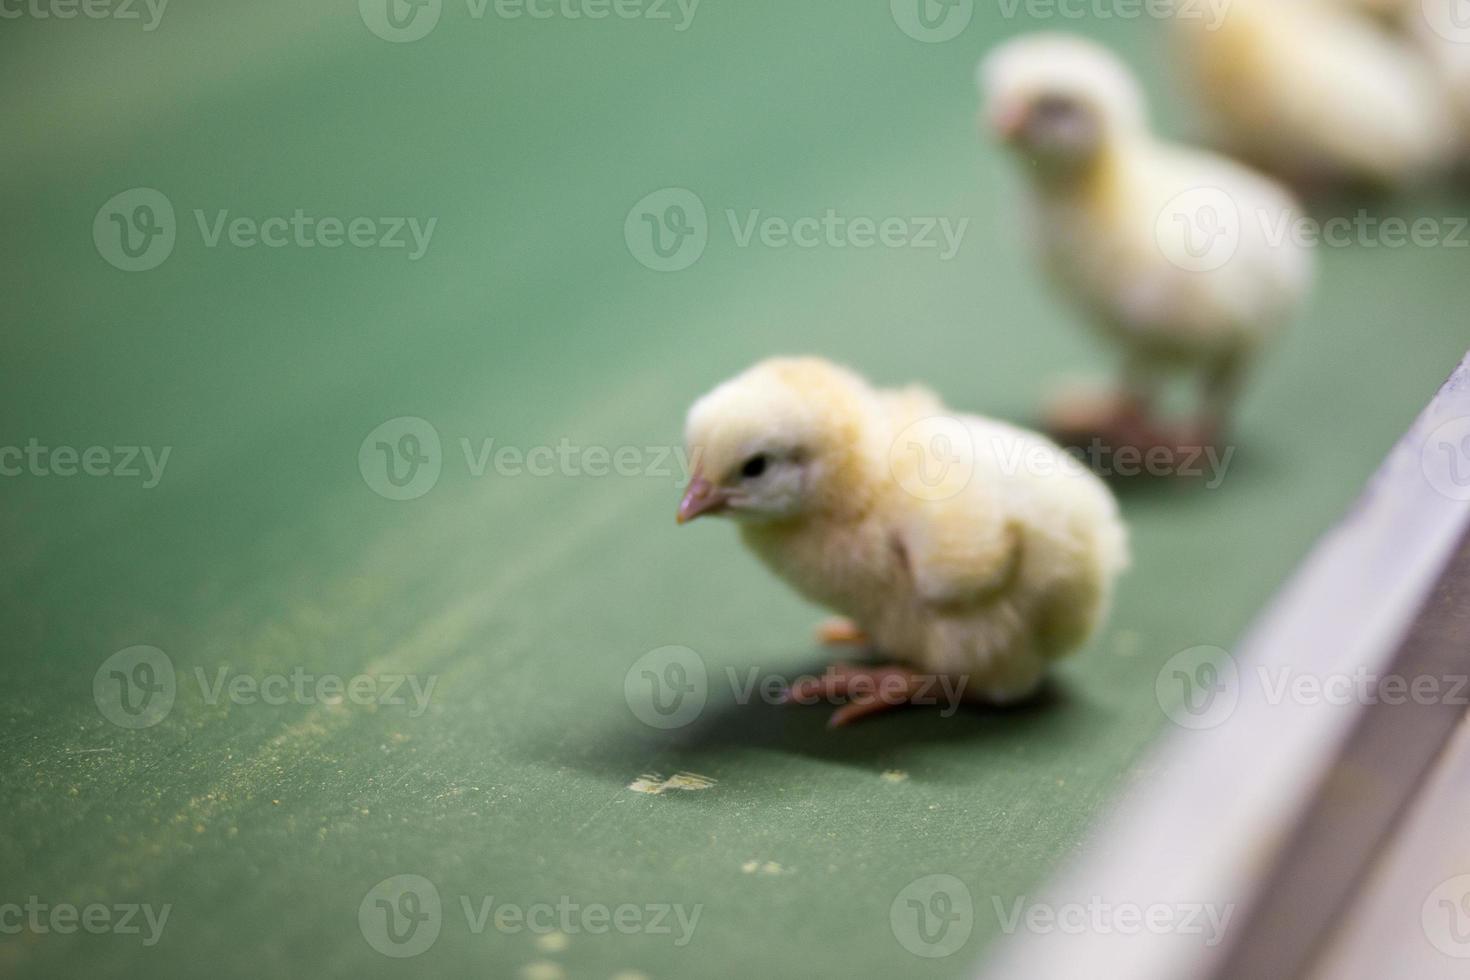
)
(841, 632)
(867, 691)
(1095, 424)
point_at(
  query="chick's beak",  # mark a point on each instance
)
(1008, 121)
(702, 497)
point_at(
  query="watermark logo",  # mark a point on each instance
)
(401, 459)
(1450, 19)
(136, 687)
(934, 458)
(1199, 230)
(667, 688)
(400, 21)
(1446, 917)
(1198, 688)
(668, 230)
(401, 916)
(933, 916)
(135, 231)
(1445, 459)
(932, 21)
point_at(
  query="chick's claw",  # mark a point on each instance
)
(856, 710)
(867, 690)
(830, 685)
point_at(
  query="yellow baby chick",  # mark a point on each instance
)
(960, 547)
(1186, 260)
(1440, 31)
(1443, 30)
(1319, 92)
(1389, 12)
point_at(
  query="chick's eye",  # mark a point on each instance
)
(754, 466)
(1052, 108)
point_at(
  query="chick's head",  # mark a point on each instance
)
(787, 439)
(1060, 100)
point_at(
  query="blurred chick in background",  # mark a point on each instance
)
(1184, 259)
(1319, 92)
(1440, 32)
(956, 545)
(1441, 28)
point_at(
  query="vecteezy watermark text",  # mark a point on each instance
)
(1365, 230)
(148, 12)
(138, 686)
(669, 230)
(64, 918)
(137, 230)
(402, 917)
(1100, 917)
(403, 458)
(935, 458)
(404, 21)
(303, 230)
(1201, 687)
(573, 918)
(1202, 229)
(123, 462)
(668, 688)
(937, 21)
(934, 915)
(303, 687)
